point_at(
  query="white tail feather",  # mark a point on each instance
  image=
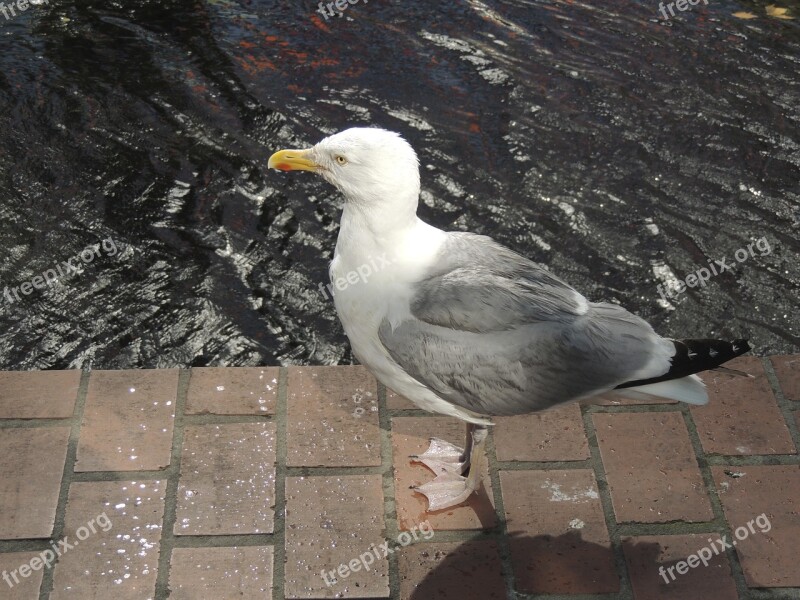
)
(689, 389)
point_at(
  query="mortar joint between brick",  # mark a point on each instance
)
(281, 452)
(703, 466)
(66, 479)
(501, 525)
(612, 596)
(750, 460)
(550, 465)
(208, 419)
(172, 475)
(331, 471)
(223, 540)
(713, 497)
(34, 423)
(629, 408)
(389, 498)
(774, 594)
(607, 505)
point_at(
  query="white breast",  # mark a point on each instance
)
(371, 281)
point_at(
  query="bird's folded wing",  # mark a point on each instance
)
(494, 333)
(479, 285)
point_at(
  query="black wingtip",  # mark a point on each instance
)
(740, 347)
(694, 356)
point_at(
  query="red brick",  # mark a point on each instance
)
(232, 391)
(395, 401)
(331, 521)
(31, 466)
(410, 436)
(742, 416)
(38, 394)
(122, 562)
(451, 571)
(555, 434)
(651, 468)
(128, 420)
(646, 555)
(787, 368)
(769, 559)
(227, 483)
(244, 572)
(332, 418)
(22, 588)
(558, 536)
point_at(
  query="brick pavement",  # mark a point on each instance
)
(272, 482)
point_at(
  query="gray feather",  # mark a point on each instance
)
(479, 285)
(497, 334)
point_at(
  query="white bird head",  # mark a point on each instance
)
(372, 167)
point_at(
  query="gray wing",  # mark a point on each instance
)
(479, 285)
(497, 334)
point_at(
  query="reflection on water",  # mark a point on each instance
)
(621, 150)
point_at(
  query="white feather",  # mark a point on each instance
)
(689, 389)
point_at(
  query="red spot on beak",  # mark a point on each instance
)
(284, 166)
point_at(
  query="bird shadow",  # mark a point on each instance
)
(563, 564)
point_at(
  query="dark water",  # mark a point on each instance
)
(621, 150)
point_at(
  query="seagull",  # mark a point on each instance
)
(463, 326)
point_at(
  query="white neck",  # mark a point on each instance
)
(400, 235)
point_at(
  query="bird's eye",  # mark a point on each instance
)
(341, 160)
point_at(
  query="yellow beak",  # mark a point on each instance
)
(292, 160)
